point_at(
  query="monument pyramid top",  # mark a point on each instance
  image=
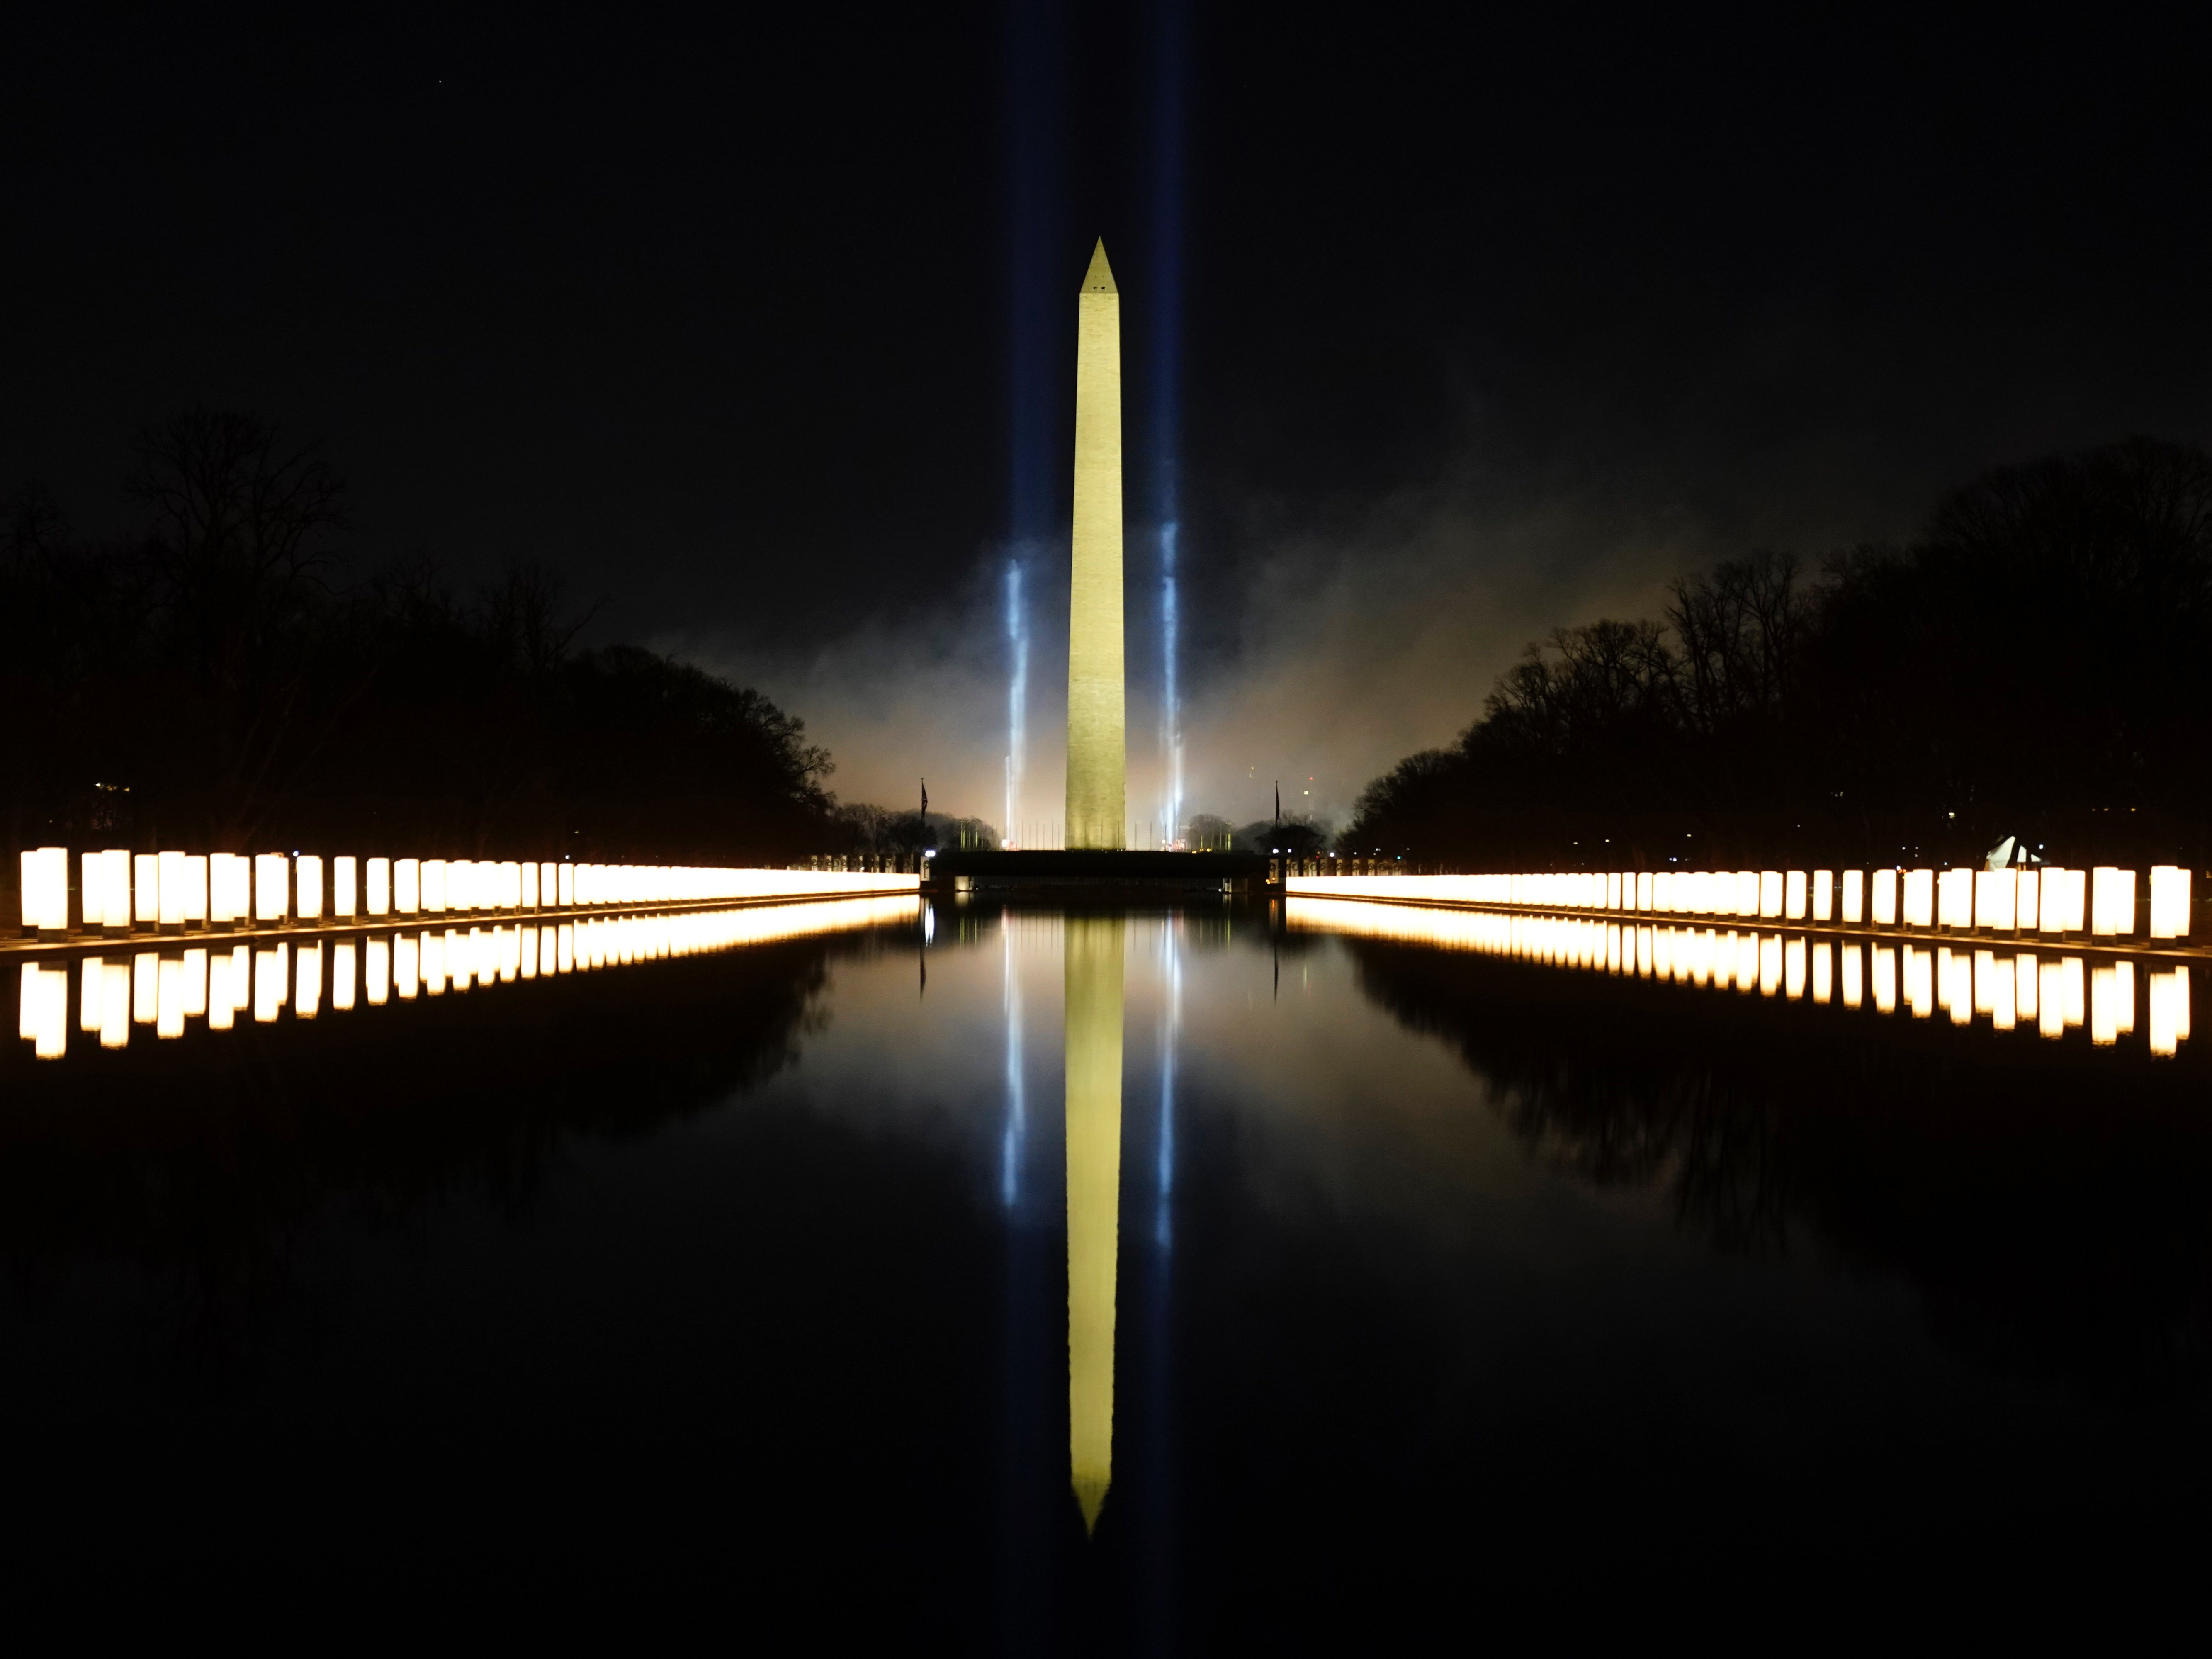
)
(1099, 279)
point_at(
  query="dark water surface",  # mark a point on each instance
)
(1364, 1292)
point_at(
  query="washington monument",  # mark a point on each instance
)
(1098, 764)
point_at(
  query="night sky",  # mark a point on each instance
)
(760, 326)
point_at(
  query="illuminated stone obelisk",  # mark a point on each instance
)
(1098, 764)
(1093, 1032)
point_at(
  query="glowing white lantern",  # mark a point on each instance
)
(2169, 902)
(511, 896)
(530, 886)
(1644, 889)
(2064, 900)
(2112, 902)
(169, 886)
(2027, 891)
(345, 896)
(46, 893)
(307, 983)
(1919, 898)
(1854, 897)
(146, 888)
(1747, 893)
(568, 885)
(1885, 898)
(1954, 899)
(1997, 894)
(377, 901)
(406, 886)
(344, 964)
(307, 870)
(273, 889)
(228, 885)
(435, 886)
(92, 893)
(1823, 895)
(1771, 893)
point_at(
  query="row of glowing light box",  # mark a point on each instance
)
(165, 989)
(2047, 900)
(2010, 988)
(120, 889)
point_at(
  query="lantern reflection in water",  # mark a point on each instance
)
(169, 998)
(307, 983)
(115, 1004)
(2169, 1012)
(42, 1012)
(87, 995)
(2007, 988)
(1919, 970)
(433, 964)
(144, 988)
(406, 965)
(268, 987)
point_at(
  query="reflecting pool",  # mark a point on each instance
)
(1316, 1276)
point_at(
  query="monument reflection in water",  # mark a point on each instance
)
(1094, 972)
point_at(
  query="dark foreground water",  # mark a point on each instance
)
(1369, 1295)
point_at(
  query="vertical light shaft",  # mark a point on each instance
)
(1017, 697)
(1165, 329)
(1097, 777)
(1093, 1063)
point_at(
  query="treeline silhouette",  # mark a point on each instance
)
(2038, 663)
(215, 682)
